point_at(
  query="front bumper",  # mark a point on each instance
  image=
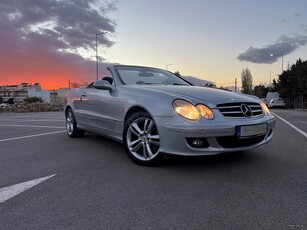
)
(219, 135)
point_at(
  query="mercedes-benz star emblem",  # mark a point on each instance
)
(246, 110)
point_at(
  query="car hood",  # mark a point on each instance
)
(196, 94)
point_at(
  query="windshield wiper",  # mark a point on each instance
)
(179, 84)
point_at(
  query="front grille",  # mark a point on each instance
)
(234, 109)
(234, 142)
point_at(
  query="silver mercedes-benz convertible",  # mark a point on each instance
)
(154, 112)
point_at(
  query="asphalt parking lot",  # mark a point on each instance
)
(298, 118)
(90, 183)
(23, 125)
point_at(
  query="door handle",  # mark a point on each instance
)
(84, 94)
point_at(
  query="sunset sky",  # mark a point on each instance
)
(52, 42)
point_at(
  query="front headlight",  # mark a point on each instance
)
(205, 111)
(191, 112)
(186, 109)
(264, 108)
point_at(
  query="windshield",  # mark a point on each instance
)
(148, 76)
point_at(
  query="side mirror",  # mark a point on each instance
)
(103, 84)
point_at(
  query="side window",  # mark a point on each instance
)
(105, 74)
(109, 79)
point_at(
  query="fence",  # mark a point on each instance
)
(34, 107)
(297, 102)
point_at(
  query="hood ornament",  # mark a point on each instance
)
(246, 110)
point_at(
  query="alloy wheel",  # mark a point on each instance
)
(143, 139)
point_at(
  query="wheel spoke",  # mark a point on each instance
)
(135, 129)
(69, 128)
(136, 147)
(148, 124)
(155, 137)
(70, 117)
(69, 123)
(156, 143)
(149, 152)
(131, 144)
(145, 152)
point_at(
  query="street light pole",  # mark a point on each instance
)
(169, 65)
(105, 32)
(270, 81)
(282, 61)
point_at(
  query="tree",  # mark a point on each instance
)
(31, 100)
(275, 85)
(247, 81)
(78, 85)
(292, 83)
(261, 91)
(74, 85)
(177, 74)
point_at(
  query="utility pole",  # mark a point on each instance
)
(282, 60)
(235, 84)
(270, 80)
(104, 32)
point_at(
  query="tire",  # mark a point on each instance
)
(141, 140)
(71, 125)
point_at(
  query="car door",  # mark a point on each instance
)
(75, 97)
(98, 109)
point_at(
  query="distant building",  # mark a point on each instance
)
(58, 96)
(18, 93)
(37, 91)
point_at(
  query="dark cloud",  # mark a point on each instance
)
(284, 45)
(36, 34)
(286, 20)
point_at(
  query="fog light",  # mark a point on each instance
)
(197, 142)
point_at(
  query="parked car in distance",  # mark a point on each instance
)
(276, 103)
(154, 112)
(265, 101)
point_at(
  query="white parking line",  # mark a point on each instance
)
(13, 190)
(293, 126)
(29, 136)
(36, 120)
(33, 126)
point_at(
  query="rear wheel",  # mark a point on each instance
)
(71, 125)
(141, 140)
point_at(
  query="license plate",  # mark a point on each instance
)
(251, 130)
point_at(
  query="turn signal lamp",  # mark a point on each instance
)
(264, 107)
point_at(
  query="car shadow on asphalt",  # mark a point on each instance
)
(220, 160)
(171, 161)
